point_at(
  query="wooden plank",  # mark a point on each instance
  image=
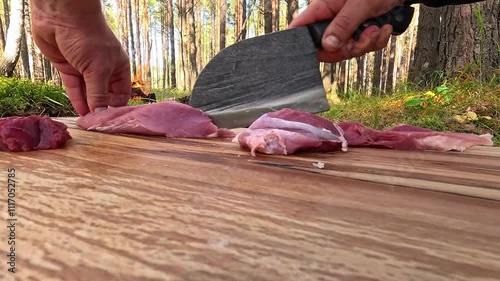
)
(111, 207)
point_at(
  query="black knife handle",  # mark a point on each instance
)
(399, 17)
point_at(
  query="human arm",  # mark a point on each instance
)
(75, 37)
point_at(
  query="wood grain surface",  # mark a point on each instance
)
(114, 207)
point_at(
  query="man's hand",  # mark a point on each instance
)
(348, 15)
(75, 37)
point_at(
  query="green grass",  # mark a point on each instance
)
(23, 97)
(459, 106)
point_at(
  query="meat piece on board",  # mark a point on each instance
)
(171, 119)
(406, 137)
(287, 131)
(27, 133)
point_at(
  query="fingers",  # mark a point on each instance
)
(120, 89)
(372, 39)
(75, 89)
(97, 89)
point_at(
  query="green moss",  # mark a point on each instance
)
(23, 97)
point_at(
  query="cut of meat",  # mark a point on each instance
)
(31, 133)
(171, 119)
(287, 131)
(406, 137)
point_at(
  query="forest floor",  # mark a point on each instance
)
(470, 107)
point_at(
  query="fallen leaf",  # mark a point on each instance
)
(459, 118)
(471, 115)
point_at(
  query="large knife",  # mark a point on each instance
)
(273, 71)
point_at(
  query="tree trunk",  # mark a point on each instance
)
(359, 73)
(47, 73)
(463, 41)
(14, 38)
(268, 16)
(292, 10)
(391, 64)
(276, 15)
(132, 41)
(199, 35)
(138, 48)
(241, 20)
(426, 54)
(172, 66)
(29, 41)
(488, 36)
(341, 84)
(222, 24)
(192, 45)
(377, 72)
(182, 31)
(6, 13)
(164, 44)
(25, 57)
(456, 44)
(2, 34)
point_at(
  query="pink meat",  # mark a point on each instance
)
(31, 133)
(171, 119)
(406, 137)
(287, 131)
(291, 131)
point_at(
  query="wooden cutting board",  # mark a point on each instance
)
(117, 207)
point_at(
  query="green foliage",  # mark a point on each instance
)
(23, 97)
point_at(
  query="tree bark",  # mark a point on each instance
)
(164, 36)
(268, 16)
(199, 35)
(222, 24)
(391, 68)
(292, 10)
(138, 48)
(377, 72)
(276, 15)
(182, 34)
(172, 66)
(6, 13)
(425, 61)
(131, 37)
(14, 38)
(2, 34)
(192, 44)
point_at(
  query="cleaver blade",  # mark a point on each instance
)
(271, 72)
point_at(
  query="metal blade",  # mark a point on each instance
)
(259, 75)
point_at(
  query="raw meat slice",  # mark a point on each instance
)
(171, 119)
(406, 137)
(31, 133)
(287, 131)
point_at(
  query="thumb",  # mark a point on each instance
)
(96, 83)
